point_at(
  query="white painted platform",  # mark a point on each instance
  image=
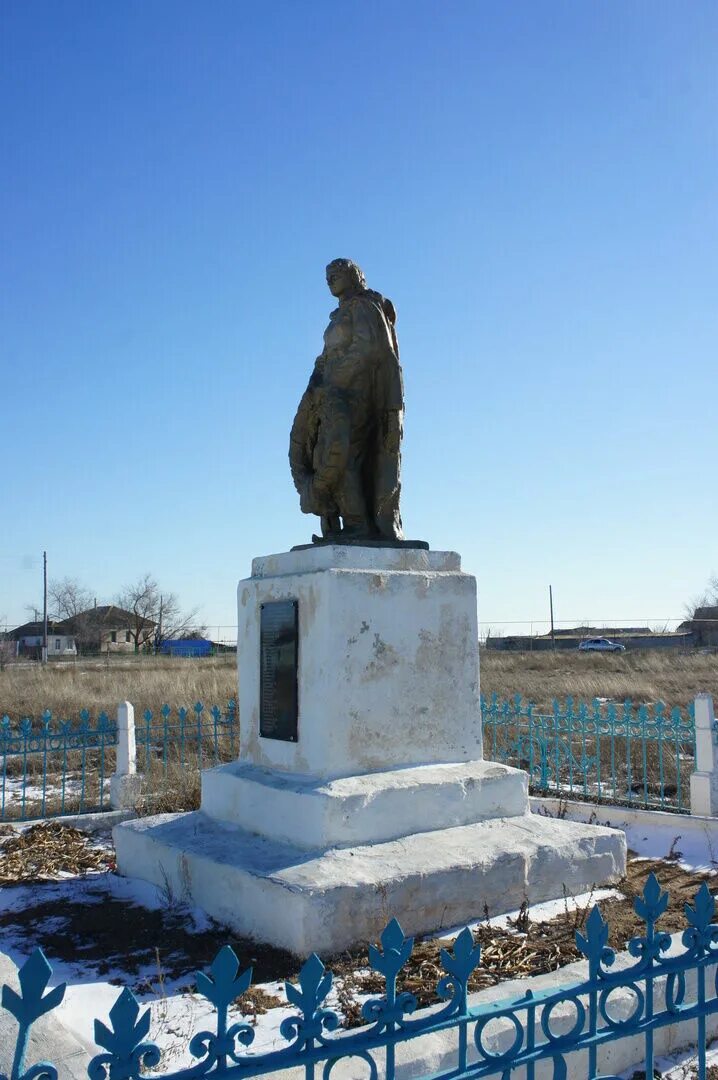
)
(326, 901)
(319, 814)
(308, 560)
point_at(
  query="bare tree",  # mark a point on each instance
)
(71, 601)
(69, 598)
(708, 598)
(156, 615)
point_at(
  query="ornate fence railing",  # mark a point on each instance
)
(50, 767)
(638, 755)
(198, 737)
(663, 986)
(641, 756)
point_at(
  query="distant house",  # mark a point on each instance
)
(29, 637)
(109, 628)
(704, 625)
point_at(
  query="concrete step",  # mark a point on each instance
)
(321, 814)
(325, 901)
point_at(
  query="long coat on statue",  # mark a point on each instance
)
(345, 443)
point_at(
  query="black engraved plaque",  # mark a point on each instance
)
(278, 670)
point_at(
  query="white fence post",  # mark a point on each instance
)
(125, 782)
(704, 780)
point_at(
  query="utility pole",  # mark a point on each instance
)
(553, 635)
(44, 607)
(158, 631)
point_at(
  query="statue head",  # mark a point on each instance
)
(344, 276)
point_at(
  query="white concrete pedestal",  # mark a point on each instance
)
(383, 806)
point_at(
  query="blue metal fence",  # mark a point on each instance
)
(198, 737)
(638, 755)
(51, 767)
(666, 988)
(642, 756)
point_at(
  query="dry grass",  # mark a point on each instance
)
(674, 677)
(149, 682)
(47, 851)
(177, 790)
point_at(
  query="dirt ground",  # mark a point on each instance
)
(114, 935)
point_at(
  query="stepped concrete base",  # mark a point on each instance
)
(320, 814)
(330, 900)
(379, 805)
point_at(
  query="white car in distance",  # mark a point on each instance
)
(601, 644)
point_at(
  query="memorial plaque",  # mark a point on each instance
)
(278, 711)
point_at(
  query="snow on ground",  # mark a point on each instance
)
(692, 848)
(14, 788)
(691, 842)
(175, 1018)
(682, 1066)
(177, 1012)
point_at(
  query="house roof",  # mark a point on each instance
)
(709, 614)
(109, 617)
(36, 629)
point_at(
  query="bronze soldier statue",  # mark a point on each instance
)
(345, 445)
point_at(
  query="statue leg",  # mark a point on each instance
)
(353, 494)
(353, 507)
(331, 526)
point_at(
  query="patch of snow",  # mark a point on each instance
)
(177, 1011)
(696, 849)
(682, 1066)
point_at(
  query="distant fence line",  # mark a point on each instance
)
(640, 755)
(636, 632)
(659, 983)
(564, 642)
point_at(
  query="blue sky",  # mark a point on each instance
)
(533, 184)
